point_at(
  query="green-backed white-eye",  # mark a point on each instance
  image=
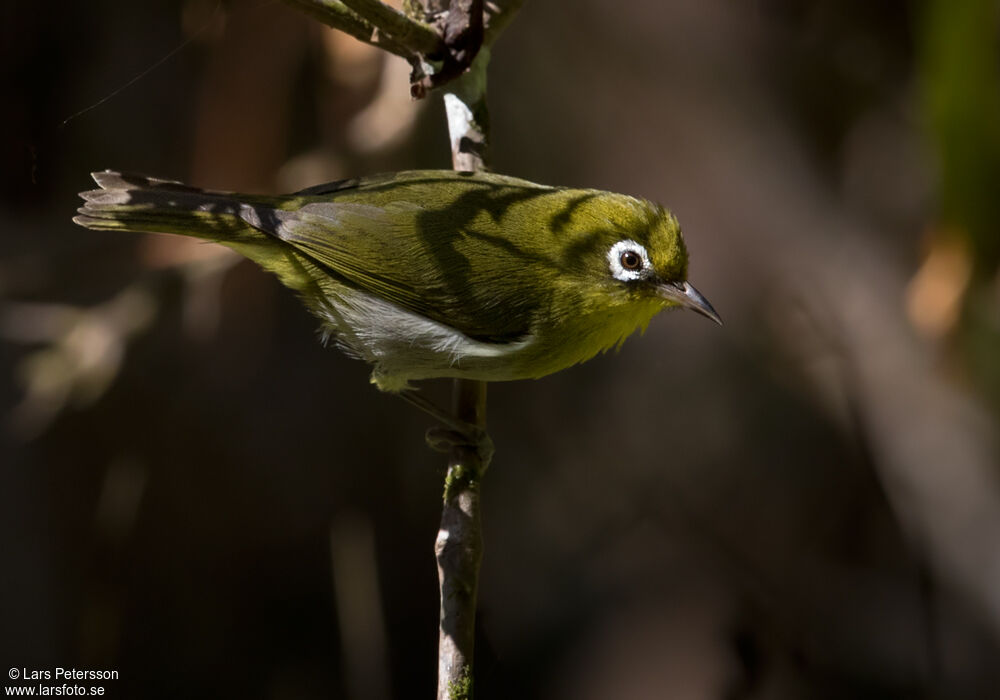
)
(438, 273)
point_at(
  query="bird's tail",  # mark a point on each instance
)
(143, 204)
(241, 222)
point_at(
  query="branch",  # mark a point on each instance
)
(416, 36)
(460, 26)
(459, 551)
(468, 117)
(337, 15)
(459, 544)
(439, 38)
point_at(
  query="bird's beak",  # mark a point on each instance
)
(687, 296)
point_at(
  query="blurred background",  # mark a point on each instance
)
(802, 504)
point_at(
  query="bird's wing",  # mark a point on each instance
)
(400, 252)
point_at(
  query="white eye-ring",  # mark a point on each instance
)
(628, 261)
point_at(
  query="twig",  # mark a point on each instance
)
(418, 37)
(459, 551)
(459, 544)
(468, 117)
(459, 23)
(439, 38)
(336, 14)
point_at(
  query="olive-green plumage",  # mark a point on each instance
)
(437, 273)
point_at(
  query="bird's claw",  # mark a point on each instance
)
(455, 433)
(470, 437)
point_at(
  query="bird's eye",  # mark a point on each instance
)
(628, 261)
(631, 260)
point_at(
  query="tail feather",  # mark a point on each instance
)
(244, 223)
(114, 180)
(144, 204)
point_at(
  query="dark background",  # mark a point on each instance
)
(802, 504)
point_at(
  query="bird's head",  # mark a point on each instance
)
(634, 251)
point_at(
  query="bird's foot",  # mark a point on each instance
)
(467, 436)
(456, 433)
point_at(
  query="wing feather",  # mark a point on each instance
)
(399, 251)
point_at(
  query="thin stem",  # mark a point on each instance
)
(459, 551)
(459, 545)
(468, 116)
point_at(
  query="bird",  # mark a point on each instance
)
(438, 273)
